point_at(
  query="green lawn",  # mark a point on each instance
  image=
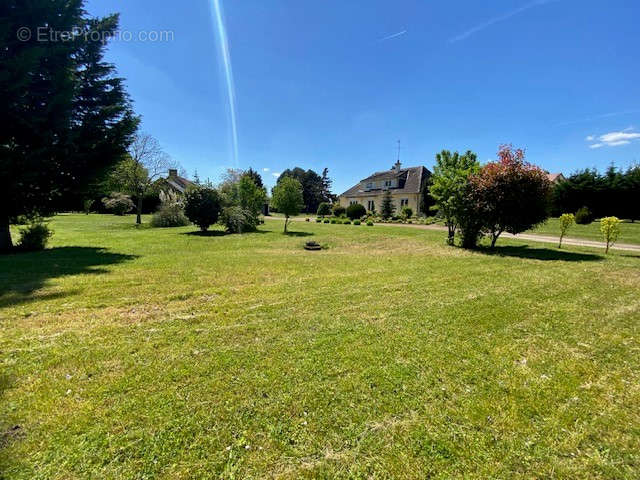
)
(629, 232)
(142, 353)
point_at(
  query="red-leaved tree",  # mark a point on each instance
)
(510, 194)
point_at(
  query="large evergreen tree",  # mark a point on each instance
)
(66, 116)
(312, 187)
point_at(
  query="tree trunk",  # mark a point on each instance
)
(286, 220)
(139, 210)
(5, 235)
(452, 234)
(494, 239)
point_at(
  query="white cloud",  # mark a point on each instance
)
(276, 174)
(614, 139)
(393, 35)
(266, 169)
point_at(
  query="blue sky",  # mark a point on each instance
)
(336, 83)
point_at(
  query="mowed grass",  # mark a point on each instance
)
(154, 353)
(629, 232)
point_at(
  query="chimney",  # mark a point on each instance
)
(397, 166)
(173, 172)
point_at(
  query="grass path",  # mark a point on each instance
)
(162, 354)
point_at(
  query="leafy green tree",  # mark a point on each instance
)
(610, 228)
(137, 173)
(202, 206)
(66, 115)
(287, 198)
(387, 209)
(407, 212)
(566, 221)
(324, 209)
(251, 197)
(448, 186)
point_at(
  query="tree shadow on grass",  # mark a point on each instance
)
(23, 273)
(218, 233)
(525, 251)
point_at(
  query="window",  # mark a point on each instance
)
(353, 202)
(369, 185)
(404, 202)
(387, 183)
(371, 206)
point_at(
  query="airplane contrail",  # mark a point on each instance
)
(389, 37)
(505, 16)
(228, 71)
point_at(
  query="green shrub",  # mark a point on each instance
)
(407, 212)
(238, 220)
(169, 216)
(34, 236)
(326, 220)
(202, 206)
(347, 222)
(355, 210)
(318, 220)
(583, 216)
(369, 223)
(324, 209)
(118, 203)
(356, 222)
(87, 205)
(338, 210)
(610, 228)
(333, 220)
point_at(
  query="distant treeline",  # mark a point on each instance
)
(614, 193)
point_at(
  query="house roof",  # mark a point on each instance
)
(179, 183)
(414, 178)
(554, 177)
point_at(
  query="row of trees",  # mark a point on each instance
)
(615, 192)
(316, 189)
(507, 195)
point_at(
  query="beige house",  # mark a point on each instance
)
(405, 184)
(556, 177)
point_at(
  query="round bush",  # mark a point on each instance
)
(407, 212)
(333, 221)
(169, 216)
(355, 210)
(34, 236)
(326, 220)
(583, 216)
(356, 222)
(347, 222)
(338, 210)
(118, 203)
(324, 209)
(369, 223)
(318, 220)
(202, 206)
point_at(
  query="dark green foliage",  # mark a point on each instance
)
(356, 222)
(338, 210)
(87, 205)
(118, 203)
(387, 208)
(355, 210)
(324, 209)
(584, 216)
(326, 220)
(333, 220)
(238, 220)
(318, 220)
(255, 176)
(66, 115)
(202, 206)
(347, 222)
(369, 223)
(34, 236)
(613, 193)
